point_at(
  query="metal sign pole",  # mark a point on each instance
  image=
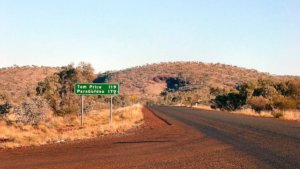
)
(81, 118)
(110, 109)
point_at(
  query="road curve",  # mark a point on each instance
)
(276, 143)
(178, 138)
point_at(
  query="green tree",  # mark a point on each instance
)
(231, 101)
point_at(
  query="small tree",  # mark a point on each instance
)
(231, 101)
(4, 105)
(58, 89)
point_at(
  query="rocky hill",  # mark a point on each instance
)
(16, 83)
(152, 79)
(142, 82)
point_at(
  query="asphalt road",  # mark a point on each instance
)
(273, 142)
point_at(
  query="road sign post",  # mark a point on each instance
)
(81, 117)
(110, 109)
(83, 89)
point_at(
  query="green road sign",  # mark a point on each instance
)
(96, 89)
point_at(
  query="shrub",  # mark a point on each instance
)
(282, 88)
(216, 91)
(230, 101)
(277, 114)
(265, 91)
(261, 95)
(285, 103)
(4, 105)
(174, 84)
(293, 89)
(259, 103)
(31, 111)
(58, 89)
(4, 108)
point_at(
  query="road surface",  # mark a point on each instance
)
(182, 138)
(274, 142)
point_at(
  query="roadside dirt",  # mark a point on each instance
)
(154, 145)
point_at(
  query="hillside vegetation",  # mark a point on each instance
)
(55, 129)
(38, 104)
(46, 110)
(30, 92)
(187, 78)
(217, 86)
(17, 83)
(261, 95)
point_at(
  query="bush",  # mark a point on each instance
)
(216, 91)
(259, 103)
(293, 89)
(4, 105)
(230, 101)
(277, 114)
(4, 108)
(58, 89)
(261, 95)
(174, 84)
(31, 111)
(285, 103)
(265, 91)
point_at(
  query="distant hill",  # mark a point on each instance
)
(18, 82)
(151, 79)
(146, 82)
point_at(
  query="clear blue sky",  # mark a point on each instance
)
(111, 34)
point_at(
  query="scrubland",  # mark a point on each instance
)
(56, 129)
(286, 115)
(38, 105)
(292, 115)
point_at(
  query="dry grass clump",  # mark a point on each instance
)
(291, 115)
(55, 129)
(251, 112)
(286, 115)
(203, 107)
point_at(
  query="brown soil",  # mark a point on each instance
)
(155, 145)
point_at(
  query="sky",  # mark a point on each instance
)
(118, 34)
